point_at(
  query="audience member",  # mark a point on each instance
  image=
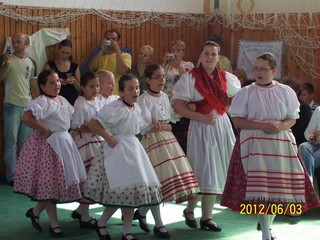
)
(17, 71)
(307, 95)
(304, 110)
(68, 71)
(145, 58)
(210, 135)
(265, 169)
(110, 57)
(50, 169)
(174, 67)
(241, 75)
(310, 151)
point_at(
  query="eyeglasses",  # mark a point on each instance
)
(159, 78)
(262, 69)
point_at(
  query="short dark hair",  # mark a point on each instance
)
(113, 31)
(123, 79)
(270, 58)
(43, 78)
(150, 69)
(294, 83)
(308, 87)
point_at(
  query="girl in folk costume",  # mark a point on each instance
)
(50, 169)
(86, 107)
(107, 86)
(265, 171)
(210, 135)
(168, 159)
(121, 174)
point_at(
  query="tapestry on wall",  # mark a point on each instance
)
(249, 50)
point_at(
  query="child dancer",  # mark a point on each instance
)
(121, 174)
(86, 107)
(50, 169)
(167, 157)
(107, 85)
(265, 171)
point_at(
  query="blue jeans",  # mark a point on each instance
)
(15, 134)
(310, 154)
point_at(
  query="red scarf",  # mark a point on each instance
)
(214, 91)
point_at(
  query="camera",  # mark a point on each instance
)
(9, 50)
(170, 56)
(108, 44)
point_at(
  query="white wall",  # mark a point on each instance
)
(181, 6)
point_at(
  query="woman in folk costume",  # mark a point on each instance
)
(210, 134)
(265, 171)
(50, 169)
(167, 157)
(121, 174)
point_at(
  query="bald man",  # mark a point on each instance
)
(17, 72)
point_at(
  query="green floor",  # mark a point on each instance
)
(15, 226)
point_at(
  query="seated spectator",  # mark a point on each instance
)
(145, 58)
(110, 57)
(241, 74)
(310, 151)
(68, 71)
(305, 112)
(307, 95)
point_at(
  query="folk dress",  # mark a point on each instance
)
(50, 169)
(123, 175)
(86, 142)
(167, 157)
(265, 169)
(209, 146)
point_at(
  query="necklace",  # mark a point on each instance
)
(128, 104)
(49, 96)
(264, 85)
(153, 91)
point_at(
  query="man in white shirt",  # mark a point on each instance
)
(17, 71)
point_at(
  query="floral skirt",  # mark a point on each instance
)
(40, 174)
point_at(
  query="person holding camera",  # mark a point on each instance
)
(174, 66)
(18, 73)
(110, 57)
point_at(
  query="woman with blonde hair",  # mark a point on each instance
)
(145, 57)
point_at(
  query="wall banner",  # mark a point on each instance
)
(249, 50)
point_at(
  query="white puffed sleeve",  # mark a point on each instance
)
(233, 84)
(144, 105)
(184, 88)
(40, 107)
(110, 114)
(239, 104)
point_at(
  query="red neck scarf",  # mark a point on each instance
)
(213, 90)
